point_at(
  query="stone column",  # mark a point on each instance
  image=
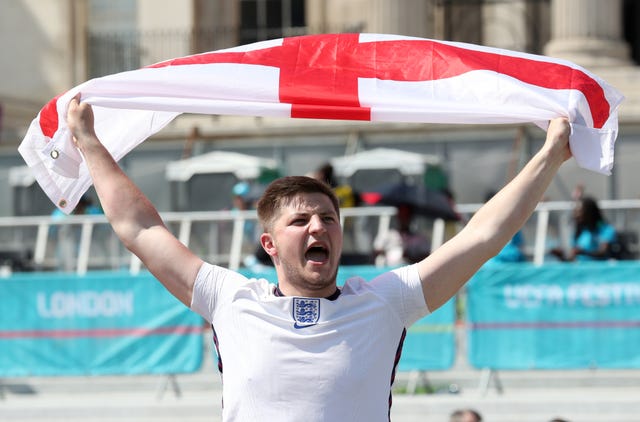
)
(588, 32)
(505, 25)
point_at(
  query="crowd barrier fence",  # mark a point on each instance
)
(96, 324)
(518, 317)
(555, 316)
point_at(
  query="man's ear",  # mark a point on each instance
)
(269, 246)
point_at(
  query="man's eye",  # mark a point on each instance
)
(329, 219)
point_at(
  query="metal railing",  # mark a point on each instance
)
(551, 226)
(78, 243)
(82, 242)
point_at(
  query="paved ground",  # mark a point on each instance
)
(580, 396)
(527, 396)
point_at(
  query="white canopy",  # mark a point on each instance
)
(21, 176)
(407, 163)
(243, 166)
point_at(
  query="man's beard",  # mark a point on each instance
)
(297, 279)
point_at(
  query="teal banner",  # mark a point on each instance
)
(100, 323)
(429, 343)
(561, 315)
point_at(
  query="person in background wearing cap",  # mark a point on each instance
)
(240, 191)
(243, 201)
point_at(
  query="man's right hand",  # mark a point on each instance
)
(80, 121)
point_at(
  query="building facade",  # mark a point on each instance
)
(53, 45)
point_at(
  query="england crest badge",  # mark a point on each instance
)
(306, 311)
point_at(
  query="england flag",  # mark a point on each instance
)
(370, 77)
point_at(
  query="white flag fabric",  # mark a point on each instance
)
(337, 76)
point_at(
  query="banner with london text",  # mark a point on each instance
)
(582, 315)
(101, 323)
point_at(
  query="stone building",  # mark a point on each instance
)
(50, 46)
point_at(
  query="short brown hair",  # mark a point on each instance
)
(281, 191)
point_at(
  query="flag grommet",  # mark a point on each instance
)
(54, 154)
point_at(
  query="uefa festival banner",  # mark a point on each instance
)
(561, 315)
(100, 323)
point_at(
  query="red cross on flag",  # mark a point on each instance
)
(338, 76)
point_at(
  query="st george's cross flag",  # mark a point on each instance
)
(372, 77)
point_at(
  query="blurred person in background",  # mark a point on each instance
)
(401, 244)
(347, 198)
(513, 251)
(593, 235)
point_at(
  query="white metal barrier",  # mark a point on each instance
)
(43, 235)
(220, 236)
(624, 215)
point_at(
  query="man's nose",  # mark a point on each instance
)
(316, 225)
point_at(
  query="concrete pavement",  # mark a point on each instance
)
(579, 396)
(506, 396)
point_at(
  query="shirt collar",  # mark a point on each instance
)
(332, 296)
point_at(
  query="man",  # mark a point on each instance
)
(305, 349)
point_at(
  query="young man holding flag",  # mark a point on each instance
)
(305, 349)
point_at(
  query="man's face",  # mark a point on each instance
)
(305, 243)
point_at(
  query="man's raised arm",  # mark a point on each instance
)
(446, 270)
(133, 217)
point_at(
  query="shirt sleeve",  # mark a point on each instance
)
(213, 285)
(402, 289)
(416, 307)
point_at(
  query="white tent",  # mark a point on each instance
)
(241, 165)
(21, 176)
(407, 163)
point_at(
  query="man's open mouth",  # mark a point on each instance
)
(317, 253)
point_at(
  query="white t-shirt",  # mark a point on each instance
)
(308, 359)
